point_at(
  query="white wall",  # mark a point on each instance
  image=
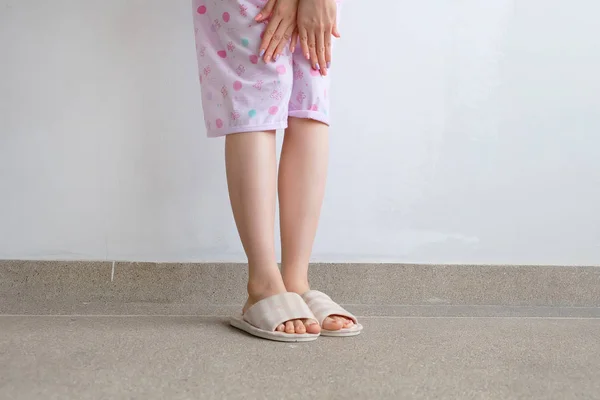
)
(466, 131)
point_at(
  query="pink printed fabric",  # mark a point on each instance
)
(240, 92)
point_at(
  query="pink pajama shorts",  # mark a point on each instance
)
(242, 93)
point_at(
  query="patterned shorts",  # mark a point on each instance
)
(242, 93)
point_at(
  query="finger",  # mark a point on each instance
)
(279, 36)
(327, 38)
(284, 42)
(268, 37)
(266, 11)
(312, 48)
(335, 32)
(321, 51)
(294, 41)
(304, 43)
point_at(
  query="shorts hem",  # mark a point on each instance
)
(309, 114)
(246, 128)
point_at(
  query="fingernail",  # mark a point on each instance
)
(317, 67)
(262, 53)
(307, 55)
(258, 17)
(276, 57)
(328, 64)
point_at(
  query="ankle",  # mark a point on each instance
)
(259, 288)
(293, 284)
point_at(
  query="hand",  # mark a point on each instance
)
(317, 22)
(280, 29)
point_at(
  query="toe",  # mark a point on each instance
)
(346, 322)
(281, 328)
(289, 327)
(332, 324)
(312, 326)
(299, 326)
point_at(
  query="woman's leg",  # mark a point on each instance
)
(251, 177)
(302, 176)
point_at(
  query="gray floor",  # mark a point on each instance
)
(187, 357)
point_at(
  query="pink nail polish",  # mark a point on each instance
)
(307, 55)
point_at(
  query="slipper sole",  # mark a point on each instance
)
(345, 332)
(239, 323)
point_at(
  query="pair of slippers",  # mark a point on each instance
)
(265, 316)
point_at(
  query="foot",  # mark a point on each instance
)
(260, 292)
(332, 322)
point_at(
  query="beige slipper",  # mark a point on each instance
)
(322, 306)
(265, 316)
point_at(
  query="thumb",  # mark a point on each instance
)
(335, 31)
(266, 11)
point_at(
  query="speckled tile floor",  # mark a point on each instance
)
(403, 357)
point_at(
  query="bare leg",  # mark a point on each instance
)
(251, 177)
(302, 176)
